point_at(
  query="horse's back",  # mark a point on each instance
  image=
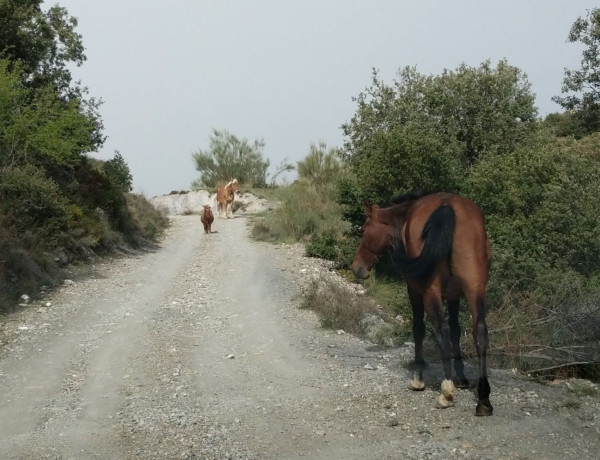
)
(221, 195)
(470, 254)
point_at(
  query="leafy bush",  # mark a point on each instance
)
(96, 190)
(33, 204)
(541, 205)
(90, 231)
(330, 245)
(147, 222)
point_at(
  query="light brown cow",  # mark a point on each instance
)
(207, 218)
(225, 197)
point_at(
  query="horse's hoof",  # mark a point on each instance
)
(443, 402)
(484, 410)
(416, 385)
(461, 382)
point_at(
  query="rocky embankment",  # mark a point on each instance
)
(192, 202)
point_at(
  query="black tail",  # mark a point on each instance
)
(438, 235)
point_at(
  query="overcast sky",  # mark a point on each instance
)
(286, 71)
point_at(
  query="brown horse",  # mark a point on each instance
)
(225, 197)
(207, 218)
(441, 248)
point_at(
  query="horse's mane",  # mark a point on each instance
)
(413, 195)
(231, 182)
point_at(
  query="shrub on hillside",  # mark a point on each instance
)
(145, 220)
(553, 329)
(33, 205)
(95, 188)
(541, 205)
(331, 245)
(336, 306)
(305, 210)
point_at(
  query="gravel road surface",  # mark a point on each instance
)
(198, 350)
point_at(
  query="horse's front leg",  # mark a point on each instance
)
(418, 325)
(459, 369)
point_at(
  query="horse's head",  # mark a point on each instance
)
(377, 234)
(233, 186)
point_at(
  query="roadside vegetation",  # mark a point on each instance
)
(471, 130)
(58, 205)
(474, 131)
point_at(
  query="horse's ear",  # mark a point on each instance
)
(368, 206)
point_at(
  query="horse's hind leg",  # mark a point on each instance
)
(417, 383)
(433, 306)
(459, 369)
(480, 336)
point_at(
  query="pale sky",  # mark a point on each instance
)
(286, 71)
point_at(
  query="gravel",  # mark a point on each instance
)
(199, 350)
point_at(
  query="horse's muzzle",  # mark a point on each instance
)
(360, 272)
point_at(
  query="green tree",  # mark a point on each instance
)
(118, 172)
(426, 132)
(37, 126)
(565, 124)
(321, 166)
(44, 42)
(488, 110)
(229, 157)
(583, 86)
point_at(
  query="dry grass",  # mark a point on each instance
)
(555, 338)
(305, 210)
(336, 306)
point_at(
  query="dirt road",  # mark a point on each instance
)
(198, 350)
